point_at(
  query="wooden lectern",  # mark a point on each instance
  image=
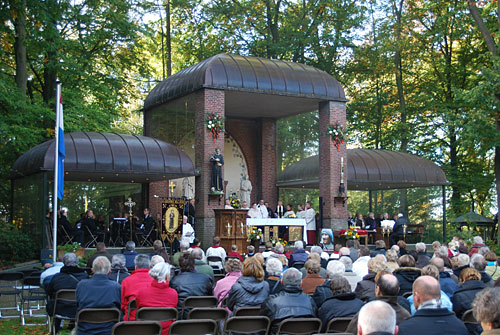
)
(231, 227)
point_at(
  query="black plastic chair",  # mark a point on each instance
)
(216, 259)
(338, 325)
(468, 317)
(97, 315)
(193, 327)
(299, 326)
(67, 296)
(212, 313)
(132, 305)
(406, 294)
(11, 286)
(160, 314)
(92, 238)
(137, 327)
(247, 311)
(201, 301)
(298, 265)
(31, 292)
(247, 324)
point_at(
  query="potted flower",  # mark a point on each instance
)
(255, 237)
(75, 247)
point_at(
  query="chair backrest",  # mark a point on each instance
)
(298, 265)
(159, 314)
(11, 276)
(137, 327)
(201, 301)
(247, 324)
(212, 313)
(468, 317)
(31, 281)
(132, 305)
(338, 325)
(218, 276)
(193, 327)
(66, 295)
(300, 326)
(247, 311)
(98, 315)
(214, 259)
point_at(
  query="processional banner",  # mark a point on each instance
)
(172, 211)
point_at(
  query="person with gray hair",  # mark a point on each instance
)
(423, 258)
(184, 249)
(118, 270)
(98, 292)
(289, 302)
(463, 263)
(299, 255)
(351, 277)
(478, 262)
(430, 318)
(486, 310)
(200, 265)
(478, 244)
(377, 317)
(323, 292)
(274, 270)
(155, 260)
(130, 254)
(67, 279)
(134, 283)
(158, 293)
(316, 249)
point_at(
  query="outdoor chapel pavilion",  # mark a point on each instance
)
(251, 94)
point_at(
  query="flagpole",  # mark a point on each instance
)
(56, 169)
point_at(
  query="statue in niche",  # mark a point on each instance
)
(216, 183)
(245, 190)
(187, 188)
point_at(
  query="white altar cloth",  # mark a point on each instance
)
(280, 222)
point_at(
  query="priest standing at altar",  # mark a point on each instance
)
(280, 211)
(310, 217)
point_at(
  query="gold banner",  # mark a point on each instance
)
(172, 211)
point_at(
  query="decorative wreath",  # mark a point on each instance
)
(336, 132)
(215, 125)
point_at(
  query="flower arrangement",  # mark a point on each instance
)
(291, 216)
(281, 241)
(336, 132)
(255, 233)
(235, 201)
(215, 125)
(351, 234)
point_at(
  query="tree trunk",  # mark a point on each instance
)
(169, 40)
(20, 47)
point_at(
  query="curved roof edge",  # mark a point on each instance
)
(369, 169)
(248, 74)
(108, 157)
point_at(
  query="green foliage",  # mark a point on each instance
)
(16, 246)
(69, 247)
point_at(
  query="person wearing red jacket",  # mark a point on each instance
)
(131, 285)
(158, 293)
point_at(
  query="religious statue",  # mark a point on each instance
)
(187, 188)
(216, 184)
(245, 190)
(172, 216)
(327, 239)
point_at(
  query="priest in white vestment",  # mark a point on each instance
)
(310, 217)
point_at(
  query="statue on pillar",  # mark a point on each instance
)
(245, 190)
(216, 184)
(187, 188)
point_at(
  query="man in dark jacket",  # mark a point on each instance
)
(291, 302)
(67, 279)
(398, 229)
(100, 251)
(97, 292)
(447, 284)
(430, 318)
(379, 248)
(299, 255)
(386, 290)
(148, 222)
(77, 234)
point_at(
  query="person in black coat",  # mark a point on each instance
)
(189, 283)
(250, 289)
(430, 318)
(406, 274)
(148, 223)
(291, 302)
(67, 279)
(398, 229)
(77, 234)
(343, 302)
(471, 285)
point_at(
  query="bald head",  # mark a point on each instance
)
(439, 263)
(425, 288)
(387, 285)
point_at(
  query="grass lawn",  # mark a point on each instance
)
(13, 327)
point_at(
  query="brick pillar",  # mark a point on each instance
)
(207, 100)
(268, 160)
(159, 188)
(334, 211)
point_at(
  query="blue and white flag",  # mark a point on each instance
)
(61, 152)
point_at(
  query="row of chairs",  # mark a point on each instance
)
(29, 298)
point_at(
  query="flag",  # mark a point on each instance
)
(61, 152)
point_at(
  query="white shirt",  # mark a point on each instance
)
(219, 251)
(187, 232)
(360, 266)
(310, 217)
(253, 213)
(280, 209)
(263, 211)
(288, 213)
(228, 207)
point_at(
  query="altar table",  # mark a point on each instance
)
(280, 222)
(361, 232)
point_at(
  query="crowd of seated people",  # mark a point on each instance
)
(384, 292)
